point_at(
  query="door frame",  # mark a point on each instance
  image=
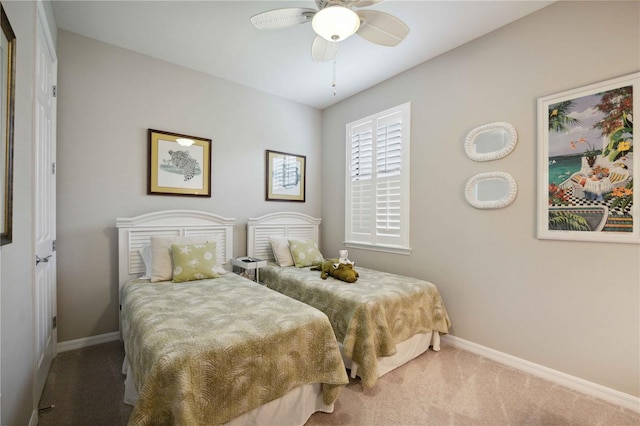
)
(42, 25)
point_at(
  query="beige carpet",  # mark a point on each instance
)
(450, 387)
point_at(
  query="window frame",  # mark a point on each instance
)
(373, 239)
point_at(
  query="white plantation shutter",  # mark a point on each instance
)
(377, 205)
(389, 174)
(361, 184)
(362, 152)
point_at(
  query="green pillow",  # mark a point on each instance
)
(305, 253)
(194, 261)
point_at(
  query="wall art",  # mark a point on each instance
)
(586, 163)
(285, 178)
(179, 164)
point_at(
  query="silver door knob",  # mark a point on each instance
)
(42, 259)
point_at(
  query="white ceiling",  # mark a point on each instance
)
(216, 37)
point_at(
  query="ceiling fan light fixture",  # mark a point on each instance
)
(335, 23)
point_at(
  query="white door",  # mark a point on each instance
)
(45, 204)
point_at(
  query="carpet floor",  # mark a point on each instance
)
(450, 387)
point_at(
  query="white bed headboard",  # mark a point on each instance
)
(135, 232)
(283, 224)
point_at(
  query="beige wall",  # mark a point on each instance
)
(16, 276)
(108, 98)
(570, 306)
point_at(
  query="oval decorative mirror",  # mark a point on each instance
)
(491, 141)
(492, 190)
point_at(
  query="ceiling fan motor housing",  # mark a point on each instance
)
(335, 23)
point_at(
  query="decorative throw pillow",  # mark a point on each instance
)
(281, 251)
(194, 261)
(305, 253)
(161, 259)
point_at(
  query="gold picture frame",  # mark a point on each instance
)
(285, 176)
(7, 111)
(179, 164)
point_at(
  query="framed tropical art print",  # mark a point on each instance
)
(179, 164)
(586, 163)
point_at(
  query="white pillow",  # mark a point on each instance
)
(219, 269)
(281, 251)
(161, 257)
(145, 253)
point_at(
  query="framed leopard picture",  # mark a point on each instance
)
(179, 164)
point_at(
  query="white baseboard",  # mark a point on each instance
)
(33, 421)
(85, 342)
(589, 388)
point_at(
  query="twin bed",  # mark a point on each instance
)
(223, 349)
(217, 350)
(381, 322)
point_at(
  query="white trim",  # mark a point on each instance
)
(379, 247)
(44, 311)
(85, 342)
(33, 421)
(584, 386)
(42, 17)
(373, 237)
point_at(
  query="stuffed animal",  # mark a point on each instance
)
(342, 271)
(344, 257)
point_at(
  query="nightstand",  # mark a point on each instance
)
(245, 265)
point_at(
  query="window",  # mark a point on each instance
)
(377, 190)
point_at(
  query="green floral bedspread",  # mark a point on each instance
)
(369, 316)
(205, 352)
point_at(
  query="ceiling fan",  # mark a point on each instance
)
(334, 21)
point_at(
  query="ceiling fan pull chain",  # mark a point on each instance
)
(334, 77)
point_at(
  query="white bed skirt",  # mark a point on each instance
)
(407, 350)
(293, 409)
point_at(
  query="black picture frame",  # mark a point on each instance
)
(285, 176)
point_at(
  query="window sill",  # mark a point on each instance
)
(379, 247)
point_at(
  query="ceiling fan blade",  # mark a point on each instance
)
(323, 50)
(381, 28)
(360, 3)
(346, 3)
(281, 18)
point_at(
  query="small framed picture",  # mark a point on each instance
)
(179, 164)
(285, 180)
